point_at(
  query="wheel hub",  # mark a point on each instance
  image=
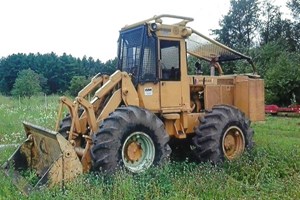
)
(138, 152)
(134, 152)
(233, 142)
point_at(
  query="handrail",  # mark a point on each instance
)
(157, 18)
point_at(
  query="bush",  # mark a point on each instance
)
(27, 84)
(77, 84)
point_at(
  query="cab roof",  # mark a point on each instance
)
(198, 44)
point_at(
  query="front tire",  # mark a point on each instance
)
(130, 137)
(223, 134)
(65, 124)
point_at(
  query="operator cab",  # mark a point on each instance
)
(137, 54)
(152, 51)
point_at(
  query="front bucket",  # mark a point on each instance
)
(47, 155)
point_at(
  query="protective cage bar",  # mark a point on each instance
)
(206, 48)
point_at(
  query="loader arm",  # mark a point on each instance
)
(55, 157)
(110, 93)
(117, 89)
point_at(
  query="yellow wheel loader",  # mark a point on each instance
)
(150, 100)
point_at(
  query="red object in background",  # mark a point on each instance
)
(274, 109)
(271, 109)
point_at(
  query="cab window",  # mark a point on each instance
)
(169, 60)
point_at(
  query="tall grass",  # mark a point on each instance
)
(38, 110)
(270, 171)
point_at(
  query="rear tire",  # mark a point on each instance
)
(130, 137)
(224, 133)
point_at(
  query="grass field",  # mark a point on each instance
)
(270, 171)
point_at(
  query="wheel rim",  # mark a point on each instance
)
(138, 152)
(233, 142)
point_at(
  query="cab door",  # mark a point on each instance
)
(170, 85)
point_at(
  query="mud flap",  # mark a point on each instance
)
(47, 155)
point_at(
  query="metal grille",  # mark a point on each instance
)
(148, 69)
(206, 48)
(130, 50)
(137, 54)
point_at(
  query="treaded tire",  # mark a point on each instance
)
(210, 134)
(115, 130)
(65, 125)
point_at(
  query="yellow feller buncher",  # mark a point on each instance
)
(148, 102)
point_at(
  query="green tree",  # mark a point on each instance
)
(27, 84)
(77, 83)
(294, 6)
(9, 69)
(239, 30)
(283, 79)
(271, 25)
(281, 71)
(110, 66)
(239, 26)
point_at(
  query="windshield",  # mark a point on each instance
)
(137, 54)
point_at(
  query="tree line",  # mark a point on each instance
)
(48, 73)
(256, 28)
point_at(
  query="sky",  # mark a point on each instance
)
(91, 27)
